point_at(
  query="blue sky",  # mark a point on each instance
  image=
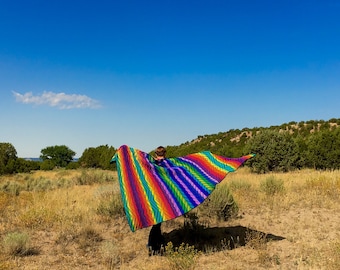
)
(150, 73)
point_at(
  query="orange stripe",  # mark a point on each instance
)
(162, 201)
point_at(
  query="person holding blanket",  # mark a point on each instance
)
(156, 239)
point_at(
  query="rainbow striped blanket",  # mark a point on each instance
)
(153, 193)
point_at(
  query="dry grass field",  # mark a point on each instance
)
(74, 220)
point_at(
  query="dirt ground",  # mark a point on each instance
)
(300, 237)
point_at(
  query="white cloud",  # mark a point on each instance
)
(59, 100)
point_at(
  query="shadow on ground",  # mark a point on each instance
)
(217, 238)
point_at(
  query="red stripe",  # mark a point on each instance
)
(128, 190)
(163, 201)
(136, 199)
(203, 162)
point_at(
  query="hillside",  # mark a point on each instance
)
(230, 143)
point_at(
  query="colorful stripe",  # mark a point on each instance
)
(154, 193)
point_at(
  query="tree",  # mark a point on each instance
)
(25, 166)
(47, 165)
(8, 157)
(323, 150)
(59, 155)
(89, 158)
(302, 147)
(97, 157)
(275, 151)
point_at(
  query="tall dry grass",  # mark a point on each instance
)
(75, 219)
(306, 188)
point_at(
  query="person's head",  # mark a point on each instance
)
(160, 152)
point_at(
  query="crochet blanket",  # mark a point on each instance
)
(153, 193)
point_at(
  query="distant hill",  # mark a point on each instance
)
(230, 143)
(39, 159)
(32, 159)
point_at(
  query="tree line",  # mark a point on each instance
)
(58, 156)
(292, 146)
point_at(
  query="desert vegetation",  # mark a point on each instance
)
(288, 147)
(74, 219)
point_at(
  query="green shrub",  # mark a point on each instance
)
(93, 177)
(73, 165)
(11, 187)
(47, 165)
(39, 184)
(39, 218)
(272, 186)
(182, 257)
(17, 244)
(64, 183)
(239, 185)
(111, 205)
(220, 204)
